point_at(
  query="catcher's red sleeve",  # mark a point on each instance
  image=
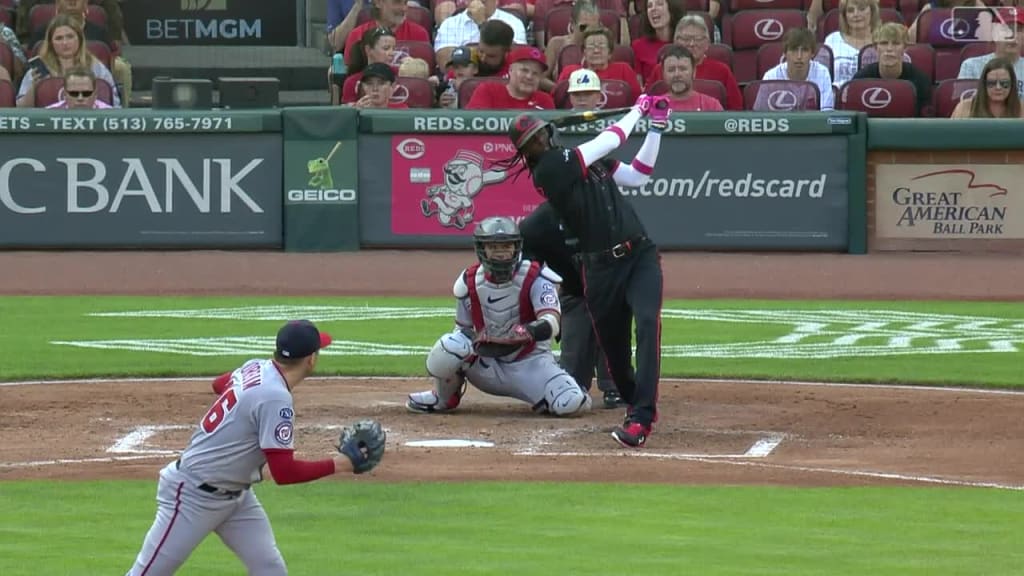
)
(220, 384)
(287, 470)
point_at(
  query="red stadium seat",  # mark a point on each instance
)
(746, 31)
(469, 85)
(7, 94)
(922, 56)
(560, 94)
(948, 94)
(102, 52)
(770, 55)
(939, 28)
(40, 15)
(97, 15)
(879, 98)
(721, 52)
(413, 92)
(50, 91)
(617, 94)
(910, 9)
(712, 88)
(559, 19)
(414, 49)
(829, 22)
(781, 96)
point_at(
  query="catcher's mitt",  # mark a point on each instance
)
(495, 347)
(363, 443)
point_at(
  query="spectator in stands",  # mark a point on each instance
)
(461, 66)
(526, 67)
(937, 24)
(995, 96)
(584, 90)
(1009, 49)
(63, 49)
(585, 15)
(376, 85)
(464, 27)
(7, 36)
(891, 42)
(799, 65)
(375, 47)
(597, 56)
(678, 65)
(858, 20)
(496, 39)
(110, 35)
(388, 14)
(80, 91)
(657, 30)
(692, 33)
(342, 17)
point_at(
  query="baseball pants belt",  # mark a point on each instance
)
(620, 250)
(212, 489)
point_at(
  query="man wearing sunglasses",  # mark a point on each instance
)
(80, 91)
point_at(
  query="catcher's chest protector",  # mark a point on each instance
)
(497, 308)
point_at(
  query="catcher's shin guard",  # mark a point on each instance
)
(446, 395)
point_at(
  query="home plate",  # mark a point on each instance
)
(450, 444)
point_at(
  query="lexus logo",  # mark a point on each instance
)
(768, 29)
(782, 100)
(604, 99)
(955, 29)
(400, 94)
(876, 98)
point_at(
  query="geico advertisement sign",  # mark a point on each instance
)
(315, 196)
(162, 185)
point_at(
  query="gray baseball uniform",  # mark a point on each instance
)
(208, 489)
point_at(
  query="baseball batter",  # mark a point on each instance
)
(250, 424)
(507, 314)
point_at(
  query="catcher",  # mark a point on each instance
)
(507, 314)
(250, 424)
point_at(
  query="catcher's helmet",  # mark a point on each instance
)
(498, 229)
(526, 126)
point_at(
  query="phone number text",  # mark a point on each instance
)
(116, 124)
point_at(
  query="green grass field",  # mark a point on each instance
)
(371, 528)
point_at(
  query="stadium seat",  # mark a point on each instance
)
(558, 20)
(469, 85)
(910, 9)
(922, 56)
(50, 90)
(781, 96)
(560, 94)
(414, 49)
(413, 92)
(617, 94)
(975, 49)
(948, 94)
(7, 94)
(770, 55)
(879, 98)
(721, 52)
(712, 88)
(540, 14)
(102, 52)
(829, 22)
(746, 31)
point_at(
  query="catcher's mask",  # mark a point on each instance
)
(526, 126)
(493, 230)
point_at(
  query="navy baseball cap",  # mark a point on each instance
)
(300, 338)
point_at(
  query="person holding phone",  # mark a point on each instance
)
(64, 49)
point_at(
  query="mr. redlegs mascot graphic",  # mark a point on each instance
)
(464, 178)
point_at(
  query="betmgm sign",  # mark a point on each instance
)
(211, 22)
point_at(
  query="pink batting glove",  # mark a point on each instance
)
(659, 109)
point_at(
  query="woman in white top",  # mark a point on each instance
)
(799, 65)
(64, 48)
(858, 20)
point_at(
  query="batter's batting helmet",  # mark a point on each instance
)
(526, 126)
(498, 229)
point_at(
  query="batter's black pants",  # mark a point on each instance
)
(580, 354)
(619, 291)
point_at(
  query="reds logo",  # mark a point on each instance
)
(411, 148)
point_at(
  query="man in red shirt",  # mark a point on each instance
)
(526, 65)
(387, 14)
(692, 33)
(678, 65)
(376, 87)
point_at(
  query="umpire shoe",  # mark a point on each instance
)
(612, 399)
(631, 434)
(428, 402)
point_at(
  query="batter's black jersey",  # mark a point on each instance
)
(544, 240)
(587, 198)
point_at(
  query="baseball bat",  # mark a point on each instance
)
(588, 116)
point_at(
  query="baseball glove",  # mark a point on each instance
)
(363, 443)
(496, 347)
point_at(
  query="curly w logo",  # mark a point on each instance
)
(203, 5)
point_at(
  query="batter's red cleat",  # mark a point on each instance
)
(631, 434)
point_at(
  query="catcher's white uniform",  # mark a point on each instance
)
(529, 372)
